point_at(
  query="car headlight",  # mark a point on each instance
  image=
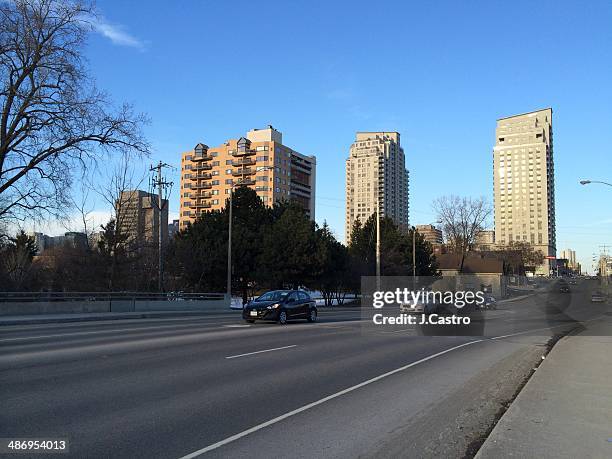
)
(274, 306)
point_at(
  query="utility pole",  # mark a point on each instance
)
(603, 260)
(163, 191)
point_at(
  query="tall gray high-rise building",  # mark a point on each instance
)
(524, 182)
(376, 175)
(139, 217)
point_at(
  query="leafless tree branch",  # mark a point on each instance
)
(53, 119)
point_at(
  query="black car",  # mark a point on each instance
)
(564, 289)
(281, 306)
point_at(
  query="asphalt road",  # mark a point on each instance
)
(213, 385)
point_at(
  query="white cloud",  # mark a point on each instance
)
(116, 33)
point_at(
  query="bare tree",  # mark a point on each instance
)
(83, 207)
(462, 218)
(53, 119)
(528, 256)
(118, 187)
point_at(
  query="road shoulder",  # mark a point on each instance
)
(564, 409)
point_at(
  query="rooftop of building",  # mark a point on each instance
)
(526, 113)
(472, 264)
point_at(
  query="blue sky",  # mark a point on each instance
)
(438, 72)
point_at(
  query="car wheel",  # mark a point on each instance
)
(312, 317)
(282, 318)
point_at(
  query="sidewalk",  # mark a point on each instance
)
(91, 316)
(565, 409)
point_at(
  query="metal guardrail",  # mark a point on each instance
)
(107, 296)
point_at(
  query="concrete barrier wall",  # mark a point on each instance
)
(18, 308)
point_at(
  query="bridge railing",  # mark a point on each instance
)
(106, 296)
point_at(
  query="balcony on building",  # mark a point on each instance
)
(245, 182)
(243, 148)
(201, 186)
(202, 195)
(200, 205)
(201, 177)
(243, 171)
(244, 162)
(200, 153)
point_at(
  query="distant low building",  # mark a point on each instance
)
(430, 233)
(173, 228)
(480, 272)
(563, 267)
(95, 238)
(485, 240)
(604, 266)
(70, 239)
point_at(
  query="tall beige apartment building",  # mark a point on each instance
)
(139, 217)
(524, 182)
(376, 177)
(259, 161)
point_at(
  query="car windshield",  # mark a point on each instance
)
(276, 295)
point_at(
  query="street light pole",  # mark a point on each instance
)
(586, 182)
(377, 248)
(229, 249)
(414, 252)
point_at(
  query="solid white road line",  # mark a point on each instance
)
(321, 401)
(259, 352)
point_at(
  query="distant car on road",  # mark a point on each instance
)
(597, 297)
(489, 302)
(281, 306)
(564, 289)
(413, 308)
